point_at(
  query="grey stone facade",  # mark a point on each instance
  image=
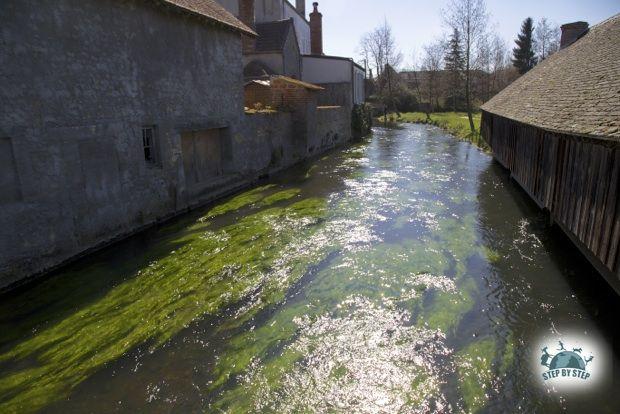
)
(82, 86)
(79, 82)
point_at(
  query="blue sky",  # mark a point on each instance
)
(416, 22)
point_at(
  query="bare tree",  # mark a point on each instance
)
(500, 61)
(372, 50)
(470, 18)
(484, 63)
(546, 38)
(415, 69)
(432, 63)
(379, 47)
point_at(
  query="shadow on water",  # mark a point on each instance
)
(39, 319)
(51, 298)
(540, 283)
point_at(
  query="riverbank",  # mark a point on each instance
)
(455, 123)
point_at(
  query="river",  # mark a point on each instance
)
(406, 273)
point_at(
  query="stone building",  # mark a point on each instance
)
(275, 51)
(557, 129)
(279, 25)
(115, 115)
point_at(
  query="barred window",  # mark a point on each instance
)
(148, 143)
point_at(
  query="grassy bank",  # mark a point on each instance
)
(456, 123)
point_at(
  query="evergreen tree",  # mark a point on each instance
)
(524, 57)
(455, 63)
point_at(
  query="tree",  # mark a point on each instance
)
(499, 64)
(415, 69)
(524, 58)
(546, 38)
(470, 18)
(484, 63)
(432, 64)
(380, 49)
(454, 65)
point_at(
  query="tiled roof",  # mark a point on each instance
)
(212, 10)
(272, 35)
(574, 91)
(306, 85)
(279, 79)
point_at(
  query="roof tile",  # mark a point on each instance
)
(574, 91)
(212, 10)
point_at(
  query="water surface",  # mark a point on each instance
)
(403, 274)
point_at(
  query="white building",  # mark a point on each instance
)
(333, 71)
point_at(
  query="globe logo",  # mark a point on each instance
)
(567, 359)
(565, 363)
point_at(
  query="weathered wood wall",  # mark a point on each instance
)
(575, 178)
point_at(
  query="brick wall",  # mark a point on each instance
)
(246, 15)
(316, 31)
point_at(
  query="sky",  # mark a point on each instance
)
(419, 22)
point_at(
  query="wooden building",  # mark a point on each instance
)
(557, 129)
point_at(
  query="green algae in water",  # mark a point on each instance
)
(476, 372)
(280, 196)
(212, 271)
(508, 356)
(446, 309)
(243, 200)
(345, 358)
(491, 255)
(396, 300)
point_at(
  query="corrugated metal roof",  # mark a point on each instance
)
(575, 91)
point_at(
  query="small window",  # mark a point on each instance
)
(148, 143)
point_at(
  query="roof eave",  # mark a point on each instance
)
(242, 29)
(576, 134)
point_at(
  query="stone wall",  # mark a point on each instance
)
(333, 128)
(77, 85)
(265, 143)
(336, 94)
(81, 89)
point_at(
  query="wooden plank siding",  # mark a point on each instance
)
(576, 179)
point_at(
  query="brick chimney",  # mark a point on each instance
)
(300, 5)
(571, 32)
(246, 15)
(316, 31)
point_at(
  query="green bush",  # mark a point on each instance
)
(361, 120)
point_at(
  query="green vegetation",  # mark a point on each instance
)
(475, 368)
(204, 271)
(361, 120)
(288, 349)
(456, 123)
